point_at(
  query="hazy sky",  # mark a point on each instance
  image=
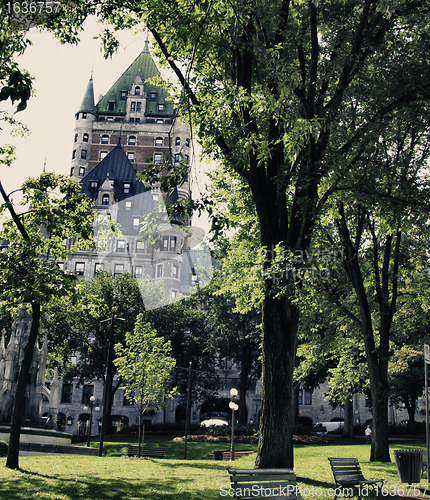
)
(61, 75)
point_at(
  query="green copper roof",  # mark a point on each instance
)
(140, 70)
(87, 105)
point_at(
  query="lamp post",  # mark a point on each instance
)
(90, 407)
(233, 406)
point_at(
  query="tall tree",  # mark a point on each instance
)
(28, 271)
(267, 84)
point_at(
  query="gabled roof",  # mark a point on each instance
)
(140, 70)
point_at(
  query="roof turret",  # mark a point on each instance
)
(87, 105)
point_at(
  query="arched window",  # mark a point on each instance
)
(105, 139)
(159, 141)
(105, 199)
(137, 91)
(85, 138)
(132, 140)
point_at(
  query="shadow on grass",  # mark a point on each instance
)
(43, 487)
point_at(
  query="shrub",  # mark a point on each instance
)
(3, 448)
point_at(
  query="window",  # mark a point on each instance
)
(138, 272)
(94, 185)
(81, 171)
(119, 269)
(177, 158)
(85, 137)
(109, 119)
(136, 223)
(103, 154)
(120, 246)
(74, 154)
(186, 158)
(173, 243)
(161, 108)
(60, 266)
(87, 392)
(127, 401)
(159, 141)
(175, 272)
(105, 199)
(137, 91)
(137, 120)
(305, 397)
(160, 121)
(153, 96)
(178, 141)
(155, 196)
(308, 397)
(138, 107)
(98, 267)
(132, 140)
(158, 157)
(84, 116)
(66, 393)
(72, 170)
(80, 268)
(194, 278)
(159, 271)
(112, 182)
(83, 154)
(128, 206)
(111, 106)
(187, 142)
(131, 120)
(105, 139)
(140, 247)
(165, 247)
(127, 186)
(173, 294)
(130, 156)
(133, 106)
(76, 137)
(123, 95)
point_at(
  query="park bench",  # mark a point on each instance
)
(347, 474)
(146, 452)
(263, 483)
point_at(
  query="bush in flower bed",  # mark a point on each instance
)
(200, 438)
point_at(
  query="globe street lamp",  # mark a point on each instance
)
(90, 407)
(233, 406)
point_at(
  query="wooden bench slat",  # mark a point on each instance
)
(146, 451)
(267, 482)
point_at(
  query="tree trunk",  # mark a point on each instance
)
(379, 451)
(12, 460)
(275, 446)
(348, 428)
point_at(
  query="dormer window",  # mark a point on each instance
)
(123, 95)
(111, 106)
(112, 182)
(137, 91)
(161, 108)
(85, 138)
(153, 96)
(136, 223)
(105, 139)
(127, 187)
(128, 206)
(94, 186)
(159, 141)
(105, 199)
(132, 140)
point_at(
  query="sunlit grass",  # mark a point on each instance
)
(63, 477)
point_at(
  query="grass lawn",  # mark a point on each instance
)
(117, 477)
